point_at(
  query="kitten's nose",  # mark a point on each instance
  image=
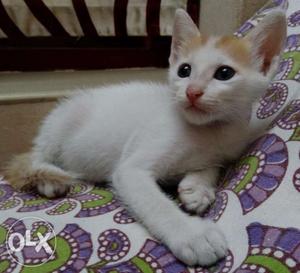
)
(193, 94)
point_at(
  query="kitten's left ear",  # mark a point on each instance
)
(267, 40)
(184, 30)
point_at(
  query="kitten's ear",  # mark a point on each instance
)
(267, 40)
(184, 30)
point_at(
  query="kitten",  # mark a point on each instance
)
(136, 133)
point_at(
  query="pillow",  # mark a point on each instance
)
(259, 201)
(257, 205)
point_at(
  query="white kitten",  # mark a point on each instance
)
(136, 133)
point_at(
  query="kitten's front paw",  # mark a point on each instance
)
(195, 197)
(200, 243)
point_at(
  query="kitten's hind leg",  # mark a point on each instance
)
(50, 180)
(191, 239)
(197, 190)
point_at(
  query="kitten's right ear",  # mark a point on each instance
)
(267, 40)
(184, 30)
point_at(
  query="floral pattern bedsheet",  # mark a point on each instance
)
(258, 204)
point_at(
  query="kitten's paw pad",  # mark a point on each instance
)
(196, 197)
(52, 190)
(200, 248)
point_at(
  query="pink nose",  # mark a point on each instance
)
(193, 94)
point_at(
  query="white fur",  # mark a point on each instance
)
(134, 134)
(185, 30)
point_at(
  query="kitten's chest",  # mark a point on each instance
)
(206, 149)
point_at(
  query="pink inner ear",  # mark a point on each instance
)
(269, 49)
(267, 58)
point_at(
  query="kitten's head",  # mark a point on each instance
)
(218, 78)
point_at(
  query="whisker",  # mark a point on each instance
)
(210, 103)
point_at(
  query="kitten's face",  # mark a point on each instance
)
(218, 78)
(213, 79)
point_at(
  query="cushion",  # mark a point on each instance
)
(257, 205)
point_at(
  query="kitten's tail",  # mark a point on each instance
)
(49, 180)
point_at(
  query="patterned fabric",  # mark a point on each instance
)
(63, 18)
(257, 205)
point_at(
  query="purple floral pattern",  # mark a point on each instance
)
(153, 257)
(273, 100)
(290, 66)
(294, 19)
(114, 245)
(71, 254)
(123, 217)
(272, 4)
(272, 249)
(9, 261)
(290, 117)
(259, 173)
(296, 179)
(218, 208)
(285, 68)
(222, 267)
(93, 201)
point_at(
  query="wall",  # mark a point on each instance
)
(225, 16)
(19, 124)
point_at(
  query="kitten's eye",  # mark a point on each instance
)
(184, 70)
(224, 73)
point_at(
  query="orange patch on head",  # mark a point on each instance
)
(237, 49)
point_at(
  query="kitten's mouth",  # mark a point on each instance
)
(197, 109)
